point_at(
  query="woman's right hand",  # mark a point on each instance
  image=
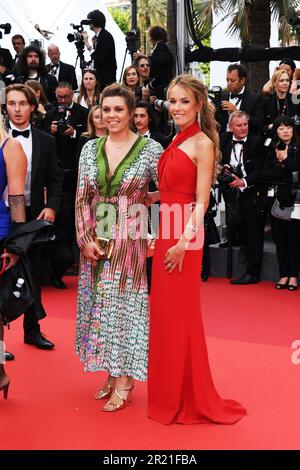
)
(12, 258)
(92, 252)
(151, 198)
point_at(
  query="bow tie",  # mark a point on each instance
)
(52, 66)
(236, 95)
(25, 134)
(242, 142)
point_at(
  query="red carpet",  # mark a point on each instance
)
(250, 330)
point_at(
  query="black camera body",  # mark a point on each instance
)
(62, 121)
(227, 177)
(6, 28)
(131, 38)
(215, 94)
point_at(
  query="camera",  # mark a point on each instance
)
(130, 38)
(161, 104)
(227, 177)
(295, 23)
(6, 27)
(280, 145)
(62, 121)
(76, 35)
(215, 96)
(36, 43)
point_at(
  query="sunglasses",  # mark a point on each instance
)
(144, 65)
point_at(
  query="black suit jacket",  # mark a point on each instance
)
(66, 146)
(271, 110)
(252, 104)
(253, 155)
(66, 74)
(162, 64)
(45, 173)
(104, 58)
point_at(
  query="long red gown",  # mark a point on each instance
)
(180, 385)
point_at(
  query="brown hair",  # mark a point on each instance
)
(36, 86)
(83, 92)
(26, 90)
(207, 115)
(121, 90)
(124, 78)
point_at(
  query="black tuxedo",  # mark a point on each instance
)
(104, 57)
(66, 74)
(252, 104)
(45, 174)
(161, 66)
(249, 200)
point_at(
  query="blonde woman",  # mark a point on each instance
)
(280, 102)
(95, 128)
(13, 165)
(180, 384)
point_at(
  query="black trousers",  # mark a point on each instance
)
(287, 239)
(253, 232)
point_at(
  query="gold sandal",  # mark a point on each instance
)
(106, 391)
(109, 406)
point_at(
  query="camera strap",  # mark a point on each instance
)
(238, 160)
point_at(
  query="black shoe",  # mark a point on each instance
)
(58, 283)
(245, 279)
(37, 338)
(292, 287)
(9, 356)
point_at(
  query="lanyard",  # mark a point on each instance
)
(238, 160)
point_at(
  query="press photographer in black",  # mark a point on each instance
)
(283, 166)
(239, 98)
(243, 159)
(103, 52)
(66, 121)
(162, 61)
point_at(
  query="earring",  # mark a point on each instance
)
(199, 118)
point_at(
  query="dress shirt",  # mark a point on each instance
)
(237, 156)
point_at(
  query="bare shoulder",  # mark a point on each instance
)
(203, 142)
(12, 147)
(204, 147)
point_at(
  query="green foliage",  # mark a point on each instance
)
(121, 17)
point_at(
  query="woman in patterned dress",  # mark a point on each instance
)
(112, 323)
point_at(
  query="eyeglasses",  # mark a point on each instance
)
(144, 65)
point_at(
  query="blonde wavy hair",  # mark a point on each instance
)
(276, 77)
(207, 122)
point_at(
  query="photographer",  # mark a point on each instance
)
(6, 64)
(162, 60)
(243, 158)
(103, 56)
(283, 165)
(238, 98)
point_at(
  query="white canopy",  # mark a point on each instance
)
(55, 16)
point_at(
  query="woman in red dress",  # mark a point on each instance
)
(180, 385)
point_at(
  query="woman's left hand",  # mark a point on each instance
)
(174, 257)
(12, 258)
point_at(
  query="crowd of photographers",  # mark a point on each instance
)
(260, 154)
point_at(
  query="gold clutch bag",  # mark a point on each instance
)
(106, 245)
